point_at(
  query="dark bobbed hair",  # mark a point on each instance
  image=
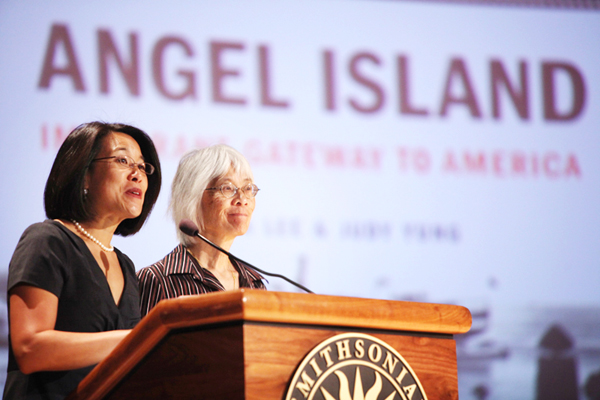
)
(63, 196)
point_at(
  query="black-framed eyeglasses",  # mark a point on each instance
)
(229, 190)
(128, 162)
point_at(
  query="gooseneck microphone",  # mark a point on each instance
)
(189, 228)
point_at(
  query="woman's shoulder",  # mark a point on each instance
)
(174, 262)
(48, 242)
(48, 230)
(152, 276)
(176, 257)
(41, 256)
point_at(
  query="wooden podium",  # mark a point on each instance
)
(247, 344)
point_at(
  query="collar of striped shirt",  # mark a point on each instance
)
(182, 262)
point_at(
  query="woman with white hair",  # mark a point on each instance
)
(214, 188)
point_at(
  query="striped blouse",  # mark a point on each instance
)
(180, 274)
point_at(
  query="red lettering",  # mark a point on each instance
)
(498, 163)
(360, 160)
(275, 154)
(219, 73)
(572, 167)
(309, 155)
(44, 137)
(265, 82)
(181, 146)
(458, 70)
(519, 97)
(328, 65)
(251, 151)
(60, 37)
(130, 70)
(376, 156)
(450, 163)
(189, 78)
(293, 150)
(402, 153)
(334, 156)
(375, 88)
(414, 159)
(160, 142)
(550, 165)
(422, 160)
(516, 164)
(60, 134)
(549, 71)
(475, 162)
(519, 163)
(404, 90)
(563, 88)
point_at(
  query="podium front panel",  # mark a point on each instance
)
(256, 361)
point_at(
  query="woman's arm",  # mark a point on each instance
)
(38, 347)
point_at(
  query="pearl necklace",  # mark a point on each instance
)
(93, 239)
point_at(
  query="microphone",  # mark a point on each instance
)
(189, 228)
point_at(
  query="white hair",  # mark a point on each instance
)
(195, 172)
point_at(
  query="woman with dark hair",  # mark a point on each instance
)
(72, 297)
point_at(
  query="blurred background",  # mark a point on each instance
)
(429, 151)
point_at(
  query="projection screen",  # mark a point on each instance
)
(428, 151)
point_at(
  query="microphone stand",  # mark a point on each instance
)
(196, 233)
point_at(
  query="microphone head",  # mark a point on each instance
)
(188, 227)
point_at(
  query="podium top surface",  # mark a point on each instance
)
(311, 309)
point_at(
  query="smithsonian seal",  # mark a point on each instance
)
(354, 366)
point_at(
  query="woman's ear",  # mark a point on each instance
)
(86, 185)
(86, 182)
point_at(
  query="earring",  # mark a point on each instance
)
(85, 193)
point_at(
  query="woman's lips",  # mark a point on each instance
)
(238, 214)
(136, 192)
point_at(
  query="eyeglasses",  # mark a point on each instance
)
(128, 162)
(228, 190)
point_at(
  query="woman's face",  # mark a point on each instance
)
(226, 218)
(116, 192)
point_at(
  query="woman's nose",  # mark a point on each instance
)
(136, 174)
(240, 197)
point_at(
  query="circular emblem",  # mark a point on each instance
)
(354, 366)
